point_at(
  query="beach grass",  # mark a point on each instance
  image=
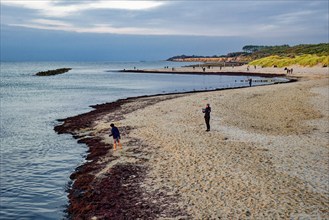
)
(306, 60)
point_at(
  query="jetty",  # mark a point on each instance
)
(53, 72)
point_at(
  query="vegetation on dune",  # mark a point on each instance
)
(280, 56)
(183, 56)
(284, 55)
(256, 52)
(283, 61)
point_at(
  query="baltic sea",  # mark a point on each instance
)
(35, 161)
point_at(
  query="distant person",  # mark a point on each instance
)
(116, 136)
(289, 71)
(250, 82)
(206, 112)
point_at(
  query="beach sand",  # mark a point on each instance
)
(266, 156)
(253, 70)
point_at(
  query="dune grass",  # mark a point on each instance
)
(283, 61)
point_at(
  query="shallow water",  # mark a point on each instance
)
(35, 161)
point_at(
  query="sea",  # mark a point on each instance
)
(36, 162)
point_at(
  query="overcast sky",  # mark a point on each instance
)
(153, 30)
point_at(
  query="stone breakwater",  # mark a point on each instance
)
(53, 72)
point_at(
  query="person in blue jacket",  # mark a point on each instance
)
(116, 136)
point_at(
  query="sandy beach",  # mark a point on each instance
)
(239, 70)
(266, 156)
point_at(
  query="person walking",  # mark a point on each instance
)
(206, 112)
(250, 82)
(116, 136)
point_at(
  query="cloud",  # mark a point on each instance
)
(51, 8)
(189, 18)
(293, 17)
(50, 23)
(107, 28)
(45, 24)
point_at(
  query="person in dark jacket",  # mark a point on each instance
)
(250, 82)
(116, 136)
(206, 112)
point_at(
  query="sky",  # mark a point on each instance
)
(105, 30)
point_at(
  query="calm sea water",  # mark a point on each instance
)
(35, 161)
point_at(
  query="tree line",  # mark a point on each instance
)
(251, 52)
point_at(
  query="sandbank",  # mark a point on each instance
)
(266, 156)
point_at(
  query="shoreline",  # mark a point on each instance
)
(123, 178)
(82, 194)
(97, 149)
(244, 70)
(238, 73)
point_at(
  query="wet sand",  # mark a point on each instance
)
(266, 156)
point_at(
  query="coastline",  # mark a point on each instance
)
(244, 70)
(139, 181)
(187, 72)
(121, 191)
